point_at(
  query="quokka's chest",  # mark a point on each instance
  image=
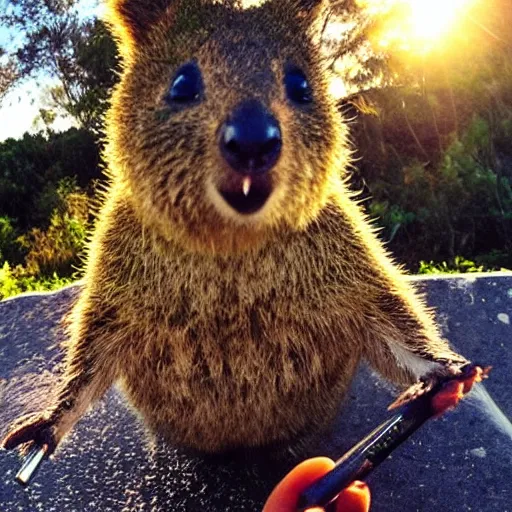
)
(262, 341)
(240, 378)
(227, 333)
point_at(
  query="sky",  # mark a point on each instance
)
(21, 106)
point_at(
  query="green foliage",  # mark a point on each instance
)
(459, 265)
(8, 236)
(14, 281)
(32, 167)
(52, 255)
(46, 257)
(57, 249)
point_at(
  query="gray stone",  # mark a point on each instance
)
(460, 462)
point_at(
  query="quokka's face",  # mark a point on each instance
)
(223, 127)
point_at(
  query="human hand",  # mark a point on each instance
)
(284, 498)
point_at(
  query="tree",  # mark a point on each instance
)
(435, 156)
(79, 53)
(32, 167)
(84, 93)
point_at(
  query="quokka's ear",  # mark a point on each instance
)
(131, 20)
(309, 14)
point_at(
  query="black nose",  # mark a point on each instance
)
(250, 139)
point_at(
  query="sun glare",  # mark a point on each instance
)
(417, 24)
(430, 19)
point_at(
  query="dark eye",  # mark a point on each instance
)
(186, 86)
(297, 86)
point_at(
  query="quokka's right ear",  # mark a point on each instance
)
(132, 20)
(308, 10)
(308, 14)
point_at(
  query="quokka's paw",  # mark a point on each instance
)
(34, 429)
(443, 373)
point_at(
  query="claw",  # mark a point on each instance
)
(33, 429)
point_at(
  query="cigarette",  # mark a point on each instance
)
(31, 464)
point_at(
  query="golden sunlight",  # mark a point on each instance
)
(431, 18)
(418, 24)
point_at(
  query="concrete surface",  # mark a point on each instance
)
(458, 463)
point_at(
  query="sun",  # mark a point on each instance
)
(430, 19)
(417, 24)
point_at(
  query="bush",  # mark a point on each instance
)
(14, 281)
(457, 199)
(52, 255)
(57, 249)
(32, 167)
(9, 248)
(458, 266)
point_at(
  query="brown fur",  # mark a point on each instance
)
(226, 330)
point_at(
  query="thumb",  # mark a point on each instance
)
(285, 496)
(355, 498)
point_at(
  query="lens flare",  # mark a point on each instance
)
(430, 19)
(416, 24)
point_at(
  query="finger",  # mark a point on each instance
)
(355, 498)
(448, 397)
(477, 374)
(285, 496)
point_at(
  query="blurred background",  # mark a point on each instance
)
(425, 85)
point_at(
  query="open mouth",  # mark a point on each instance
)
(246, 194)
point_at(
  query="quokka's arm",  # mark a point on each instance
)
(401, 339)
(95, 335)
(404, 342)
(89, 371)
